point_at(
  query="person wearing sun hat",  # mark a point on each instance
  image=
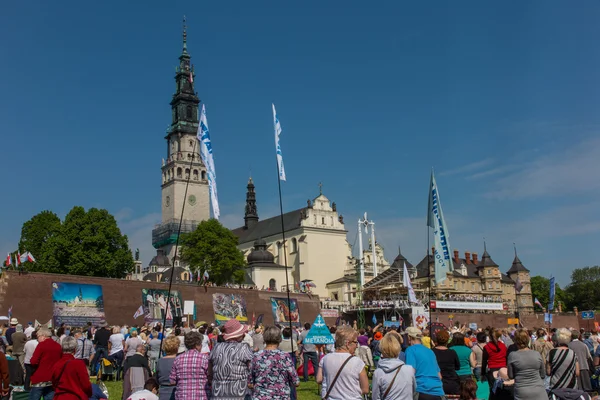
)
(427, 372)
(13, 328)
(377, 336)
(230, 362)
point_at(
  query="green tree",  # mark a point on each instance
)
(213, 247)
(583, 289)
(87, 243)
(36, 232)
(540, 289)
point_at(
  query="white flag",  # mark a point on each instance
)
(139, 312)
(435, 220)
(412, 297)
(277, 126)
(207, 157)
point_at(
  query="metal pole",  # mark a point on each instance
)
(361, 267)
(374, 250)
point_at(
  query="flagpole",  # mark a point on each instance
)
(187, 184)
(287, 282)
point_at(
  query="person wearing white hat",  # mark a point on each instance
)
(9, 332)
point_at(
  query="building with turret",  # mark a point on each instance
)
(180, 201)
(315, 247)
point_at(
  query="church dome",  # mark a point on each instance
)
(260, 254)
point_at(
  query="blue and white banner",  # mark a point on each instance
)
(412, 297)
(277, 126)
(552, 293)
(209, 162)
(435, 220)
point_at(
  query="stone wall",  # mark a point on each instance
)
(30, 295)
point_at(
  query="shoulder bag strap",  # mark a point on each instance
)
(62, 371)
(337, 376)
(391, 383)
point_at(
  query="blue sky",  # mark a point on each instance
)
(68, 291)
(500, 98)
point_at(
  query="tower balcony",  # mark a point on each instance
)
(166, 232)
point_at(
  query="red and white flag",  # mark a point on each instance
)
(8, 260)
(18, 260)
(30, 257)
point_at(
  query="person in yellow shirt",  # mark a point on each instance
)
(426, 339)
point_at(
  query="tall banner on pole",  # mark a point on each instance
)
(552, 293)
(412, 297)
(209, 162)
(277, 126)
(435, 220)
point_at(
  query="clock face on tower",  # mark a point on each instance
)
(168, 201)
(192, 199)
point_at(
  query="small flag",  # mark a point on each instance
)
(18, 259)
(8, 260)
(37, 324)
(374, 319)
(518, 285)
(139, 312)
(412, 297)
(538, 303)
(259, 320)
(191, 77)
(9, 312)
(49, 324)
(198, 276)
(30, 257)
(191, 277)
(205, 276)
(277, 126)
(24, 257)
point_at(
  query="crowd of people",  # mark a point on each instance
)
(234, 361)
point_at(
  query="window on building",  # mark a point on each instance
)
(335, 296)
(187, 173)
(489, 271)
(331, 220)
(188, 112)
(472, 286)
(203, 175)
(490, 285)
(179, 173)
(294, 245)
(272, 284)
(455, 285)
(315, 218)
(195, 174)
(323, 220)
(463, 284)
(191, 144)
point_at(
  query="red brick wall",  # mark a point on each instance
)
(31, 297)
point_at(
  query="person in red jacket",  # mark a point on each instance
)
(4, 377)
(493, 358)
(46, 354)
(70, 378)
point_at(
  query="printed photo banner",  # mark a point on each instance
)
(420, 317)
(155, 301)
(76, 304)
(282, 309)
(229, 306)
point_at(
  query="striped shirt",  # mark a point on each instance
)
(190, 374)
(563, 361)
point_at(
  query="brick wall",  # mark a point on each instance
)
(30, 295)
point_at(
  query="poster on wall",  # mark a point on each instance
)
(420, 317)
(76, 304)
(282, 309)
(229, 306)
(155, 305)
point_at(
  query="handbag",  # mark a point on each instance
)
(387, 391)
(337, 376)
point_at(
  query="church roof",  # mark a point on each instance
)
(486, 260)
(517, 266)
(343, 279)
(270, 226)
(160, 259)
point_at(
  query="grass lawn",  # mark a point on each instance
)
(306, 391)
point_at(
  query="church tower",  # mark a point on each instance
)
(182, 162)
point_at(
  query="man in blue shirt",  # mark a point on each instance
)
(427, 372)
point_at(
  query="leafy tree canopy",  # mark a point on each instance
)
(584, 288)
(213, 248)
(85, 243)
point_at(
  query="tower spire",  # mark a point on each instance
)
(251, 214)
(184, 35)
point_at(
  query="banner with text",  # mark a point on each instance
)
(466, 305)
(76, 304)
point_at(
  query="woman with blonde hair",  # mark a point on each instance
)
(562, 365)
(132, 342)
(164, 366)
(342, 375)
(116, 343)
(393, 379)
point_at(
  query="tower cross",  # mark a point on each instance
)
(320, 188)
